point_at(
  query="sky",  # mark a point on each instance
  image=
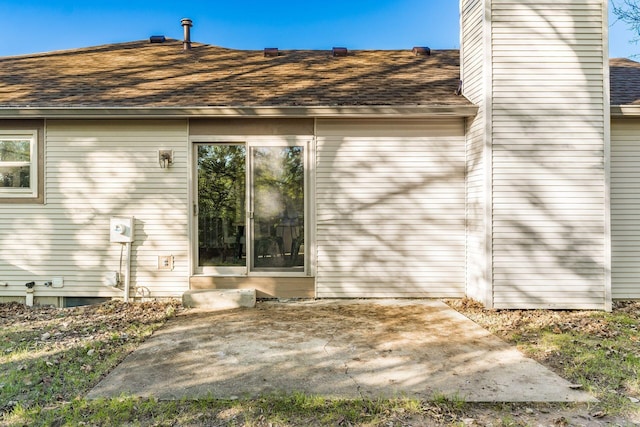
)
(31, 26)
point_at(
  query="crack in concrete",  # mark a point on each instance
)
(358, 388)
(346, 366)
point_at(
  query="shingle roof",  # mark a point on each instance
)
(625, 81)
(143, 74)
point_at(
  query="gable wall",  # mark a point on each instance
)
(548, 142)
(96, 170)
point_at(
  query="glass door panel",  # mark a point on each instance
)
(221, 206)
(278, 208)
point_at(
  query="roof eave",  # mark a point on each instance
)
(620, 111)
(413, 111)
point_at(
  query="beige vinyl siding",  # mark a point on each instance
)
(548, 136)
(96, 170)
(477, 282)
(390, 207)
(473, 50)
(474, 75)
(625, 208)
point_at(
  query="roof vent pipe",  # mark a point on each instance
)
(186, 24)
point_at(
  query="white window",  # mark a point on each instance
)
(18, 164)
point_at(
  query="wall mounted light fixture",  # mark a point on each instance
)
(165, 157)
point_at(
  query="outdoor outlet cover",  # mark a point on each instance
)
(165, 262)
(58, 282)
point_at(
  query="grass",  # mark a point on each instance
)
(606, 366)
(50, 359)
(274, 410)
(597, 350)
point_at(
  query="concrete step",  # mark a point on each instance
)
(219, 299)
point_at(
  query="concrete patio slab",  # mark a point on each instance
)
(333, 348)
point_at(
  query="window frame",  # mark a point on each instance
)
(33, 193)
(32, 190)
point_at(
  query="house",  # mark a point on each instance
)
(504, 171)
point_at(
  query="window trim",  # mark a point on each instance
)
(32, 190)
(250, 141)
(34, 131)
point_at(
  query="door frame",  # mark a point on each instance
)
(306, 141)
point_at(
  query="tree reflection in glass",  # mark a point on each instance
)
(278, 205)
(221, 205)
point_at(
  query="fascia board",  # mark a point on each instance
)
(266, 112)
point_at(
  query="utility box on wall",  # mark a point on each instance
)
(121, 229)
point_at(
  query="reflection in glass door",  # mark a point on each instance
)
(221, 206)
(277, 208)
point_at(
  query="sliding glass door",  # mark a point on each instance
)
(251, 208)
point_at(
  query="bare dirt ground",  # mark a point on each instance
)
(66, 327)
(105, 320)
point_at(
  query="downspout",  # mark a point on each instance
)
(127, 279)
